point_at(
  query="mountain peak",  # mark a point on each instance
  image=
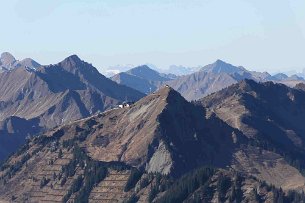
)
(165, 90)
(146, 73)
(220, 66)
(165, 93)
(143, 67)
(169, 94)
(71, 63)
(73, 58)
(30, 63)
(7, 58)
(140, 70)
(280, 76)
(219, 61)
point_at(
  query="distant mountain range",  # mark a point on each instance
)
(47, 96)
(250, 134)
(172, 70)
(181, 70)
(142, 78)
(214, 77)
(207, 80)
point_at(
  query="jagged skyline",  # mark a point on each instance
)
(253, 34)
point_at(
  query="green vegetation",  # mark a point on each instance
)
(82, 134)
(146, 180)
(223, 184)
(134, 177)
(60, 154)
(23, 149)
(186, 185)
(159, 183)
(13, 169)
(76, 185)
(133, 199)
(63, 181)
(44, 181)
(236, 193)
(292, 197)
(94, 172)
(44, 140)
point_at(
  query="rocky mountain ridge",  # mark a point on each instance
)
(157, 145)
(8, 62)
(194, 86)
(56, 94)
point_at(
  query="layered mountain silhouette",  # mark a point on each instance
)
(56, 94)
(162, 133)
(181, 70)
(8, 62)
(251, 134)
(290, 81)
(212, 78)
(142, 78)
(280, 76)
(207, 80)
(270, 116)
(219, 75)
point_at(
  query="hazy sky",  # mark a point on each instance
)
(259, 34)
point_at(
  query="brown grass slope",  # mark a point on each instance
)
(161, 133)
(271, 116)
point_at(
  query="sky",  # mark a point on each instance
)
(263, 35)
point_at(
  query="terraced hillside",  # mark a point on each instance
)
(156, 150)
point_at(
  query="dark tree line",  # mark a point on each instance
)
(94, 172)
(186, 185)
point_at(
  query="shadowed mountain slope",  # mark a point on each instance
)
(271, 116)
(156, 147)
(57, 94)
(161, 133)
